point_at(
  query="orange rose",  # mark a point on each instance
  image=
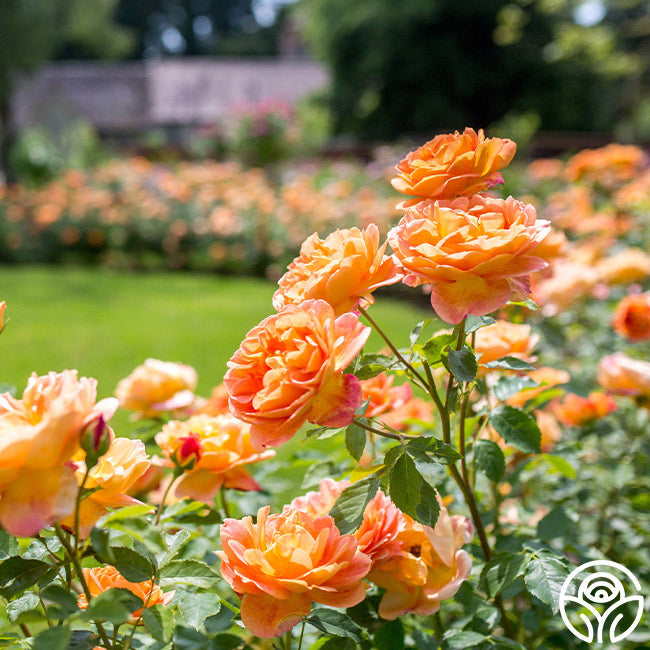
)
(632, 317)
(415, 409)
(157, 387)
(450, 165)
(568, 283)
(629, 265)
(224, 448)
(382, 395)
(546, 378)
(342, 269)
(621, 375)
(504, 339)
(289, 370)
(3, 304)
(101, 579)
(477, 252)
(318, 504)
(429, 568)
(217, 403)
(607, 166)
(381, 518)
(284, 562)
(111, 479)
(549, 428)
(38, 435)
(575, 410)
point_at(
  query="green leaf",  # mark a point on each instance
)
(419, 448)
(490, 459)
(510, 363)
(414, 335)
(560, 465)
(517, 428)
(60, 602)
(371, 365)
(462, 639)
(404, 483)
(18, 574)
(134, 566)
(188, 572)
(355, 440)
(349, 507)
(26, 603)
(114, 606)
(335, 643)
(503, 643)
(545, 574)
(502, 570)
(125, 514)
(174, 543)
(185, 638)
(54, 638)
(159, 622)
(195, 608)
(428, 509)
(333, 622)
(462, 364)
(432, 350)
(8, 545)
(389, 636)
(226, 642)
(473, 323)
(554, 524)
(508, 386)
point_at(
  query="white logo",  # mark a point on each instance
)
(603, 595)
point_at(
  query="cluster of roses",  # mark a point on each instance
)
(475, 251)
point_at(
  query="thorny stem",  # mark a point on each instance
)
(421, 380)
(379, 432)
(84, 585)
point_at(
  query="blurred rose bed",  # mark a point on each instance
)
(431, 486)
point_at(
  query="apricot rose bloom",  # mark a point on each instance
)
(343, 269)
(111, 479)
(429, 568)
(575, 410)
(454, 164)
(504, 339)
(289, 370)
(39, 434)
(632, 317)
(224, 449)
(381, 522)
(3, 305)
(621, 375)
(382, 396)
(157, 387)
(477, 253)
(284, 562)
(101, 579)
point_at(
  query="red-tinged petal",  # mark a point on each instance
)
(336, 402)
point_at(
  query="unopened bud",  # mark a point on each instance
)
(188, 453)
(95, 440)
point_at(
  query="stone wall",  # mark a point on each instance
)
(130, 97)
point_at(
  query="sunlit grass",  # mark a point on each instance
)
(105, 323)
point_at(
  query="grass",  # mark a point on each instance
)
(105, 323)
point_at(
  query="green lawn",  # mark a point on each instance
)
(105, 323)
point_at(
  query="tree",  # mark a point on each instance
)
(31, 31)
(424, 65)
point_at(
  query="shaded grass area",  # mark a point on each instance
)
(105, 323)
